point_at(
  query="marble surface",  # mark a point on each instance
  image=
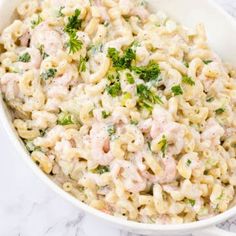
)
(29, 208)
(228, 5)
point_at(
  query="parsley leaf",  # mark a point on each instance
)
(34, 23)
(74, 23)
(219, 111)
(135, 44)
(48, 74)
(42, 52)
(60, 14)
(207, 62)
(113, 76)
(105, 114)
(111, 130)
(191, 202)
(186, 64)
(147, 98)
(25, 57)
(130, 78)
(126, 96)
(82, 64)
(209, 99)
(163, 144)
(65, 119)
(188, 163)
(134, 122)
(114, 55)
(121, 62)
(143, 3)
(114, 89)
(101, 169)
(177, 90)
(31, 147)
(148, 72)
(188, 80)
(220, 196)
(74, 44)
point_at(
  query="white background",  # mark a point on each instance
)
(29, 208)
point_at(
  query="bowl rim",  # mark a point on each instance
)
(20, 148)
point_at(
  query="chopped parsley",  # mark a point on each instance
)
(148, 72)
(105, 114)
(209, 99)
(124, 61)
(188, 80)
(101, 169)
(74, 44)
(177, 90)
(60, 14)
(48, 74)
(130, 78)
(42, 51)
(82, 64)
(220, 197)
(74, 23)
(114, 89)
(219, 111)
(146, 97)
(207, 62)
(186, 64)
(135, 44)
(134, 122)
(188, 163)
(191, 202)
(113, 76)
(111, 130)
(31, 147)
(35, 23)
(143, 3)
(91, 113)
(126, 96)
(163, 144)
(25, 57)
(65, 119)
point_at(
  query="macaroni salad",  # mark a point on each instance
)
(127, 110)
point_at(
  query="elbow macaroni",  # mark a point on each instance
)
(84, 122)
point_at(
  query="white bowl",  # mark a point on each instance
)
(221, 29)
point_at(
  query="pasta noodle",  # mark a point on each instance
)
(126, 110)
